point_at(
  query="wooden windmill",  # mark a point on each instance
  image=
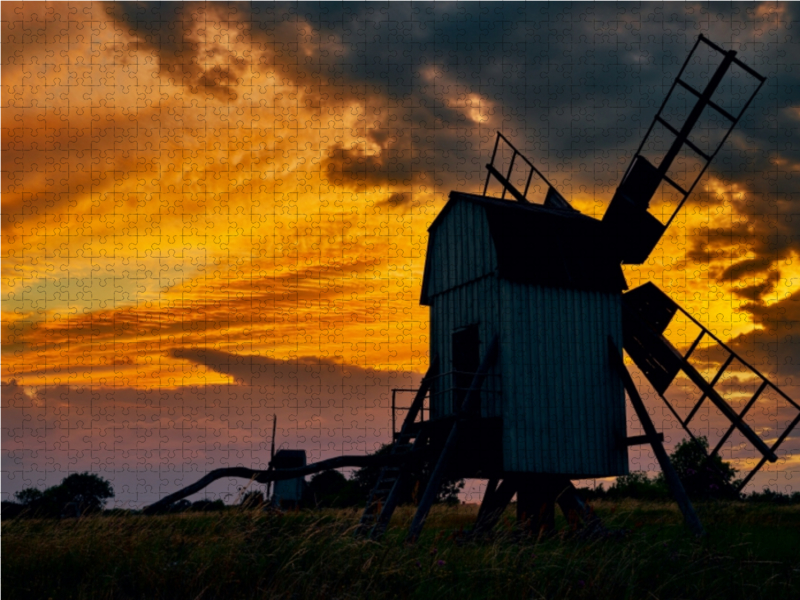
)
(529, 317)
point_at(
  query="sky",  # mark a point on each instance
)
(213, 213)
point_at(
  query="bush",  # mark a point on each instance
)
(770, 497)
(639, 486)
(703, 477)
(207, 506)
(330, 489)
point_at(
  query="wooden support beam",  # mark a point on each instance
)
(536, 503)
(576, 510)
(636, 440)
(673, 481)
(435, 482)
(491, 488)
(494, 504)
(391, 501)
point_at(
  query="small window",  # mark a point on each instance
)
(466, 360)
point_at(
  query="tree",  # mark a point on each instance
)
(87, 490)
(77, 494)
(366, 477)
(703, 476)
(29, 497)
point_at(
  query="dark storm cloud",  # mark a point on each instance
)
(351, 168)
(166, 29)
(757, 291)
(306, 375)
(575, 86)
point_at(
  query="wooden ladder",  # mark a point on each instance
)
(384, 497)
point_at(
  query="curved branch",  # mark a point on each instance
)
(282, 474)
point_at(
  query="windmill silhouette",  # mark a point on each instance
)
(529, 319)
(529, 314)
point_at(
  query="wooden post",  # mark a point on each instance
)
(400, 484)
(575, 509)
(393, 499)
(491, 488)
(673, 481)
(536, 502)
(493, 505)
(435, 482)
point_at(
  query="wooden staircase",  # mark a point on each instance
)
(392, 479)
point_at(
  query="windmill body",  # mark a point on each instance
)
(545, 281)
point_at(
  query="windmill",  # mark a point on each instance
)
(529, 317)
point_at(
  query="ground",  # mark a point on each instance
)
(751, 551)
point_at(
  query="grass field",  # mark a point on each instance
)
(751, 551)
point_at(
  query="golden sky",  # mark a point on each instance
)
(192, 187)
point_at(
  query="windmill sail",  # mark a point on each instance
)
(636, 231)
(552, 199)
(647, 313)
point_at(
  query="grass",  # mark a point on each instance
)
(750, 552)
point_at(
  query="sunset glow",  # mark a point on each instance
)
(217, 212)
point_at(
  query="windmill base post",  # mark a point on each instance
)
(537, 496)
(536, 504)
(578, 513)
(673, 481)
(495, 501)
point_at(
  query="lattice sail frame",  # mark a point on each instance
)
(553, 199)
(703, 100)
(647, 313)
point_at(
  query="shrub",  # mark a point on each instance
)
(704, 477)
(639, 486)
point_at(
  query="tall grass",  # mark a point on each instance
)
(751, 552)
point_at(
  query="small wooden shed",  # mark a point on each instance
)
(544, 278)
(289, 492)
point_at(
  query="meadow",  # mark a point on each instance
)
(750, 551)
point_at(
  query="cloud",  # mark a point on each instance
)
(312, 374)
(219, 167)
(352, 168)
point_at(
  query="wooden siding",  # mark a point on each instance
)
(475, 303)
(461, 249)
(563, 406)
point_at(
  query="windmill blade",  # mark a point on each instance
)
(552, 198)
(634, 231)
(647, 313)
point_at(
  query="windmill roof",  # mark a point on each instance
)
(543, 245)
(289, 459)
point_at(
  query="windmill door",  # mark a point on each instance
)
(466, 360)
